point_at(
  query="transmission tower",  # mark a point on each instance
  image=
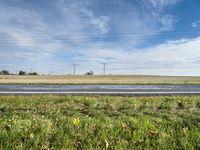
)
(104, 68)
(74, 67)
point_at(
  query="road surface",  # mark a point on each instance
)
(128, 90)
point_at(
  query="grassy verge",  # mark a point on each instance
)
(99, 122)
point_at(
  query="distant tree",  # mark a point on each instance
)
(4, 72)
(22, 73)
(90, 73)
(33, 73)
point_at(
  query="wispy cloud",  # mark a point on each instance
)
(196, 24)
(161, 4)
(178, 55)
(90, 32)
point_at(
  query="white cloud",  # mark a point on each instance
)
(36, 39)
(101, 24)
(196, 24)
(160, 4)
(167, 23)
(180, 55)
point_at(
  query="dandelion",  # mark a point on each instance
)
(76, 121)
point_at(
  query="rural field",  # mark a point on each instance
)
(99, 122)
(97, 79)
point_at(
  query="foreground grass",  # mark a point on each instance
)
(99, 122)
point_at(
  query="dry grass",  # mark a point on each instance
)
(111, 79)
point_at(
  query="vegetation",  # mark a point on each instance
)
(22, 73)
(89, 73)
(33, 73)
(7, 73)
(99, 122)
(4, 72)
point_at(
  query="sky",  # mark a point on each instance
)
(139, 37)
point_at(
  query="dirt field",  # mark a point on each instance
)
(114, 79)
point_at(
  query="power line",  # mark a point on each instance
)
(109, 37)
(79, 40)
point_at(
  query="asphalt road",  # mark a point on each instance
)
(127, 90)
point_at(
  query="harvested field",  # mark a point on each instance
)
(110, 79)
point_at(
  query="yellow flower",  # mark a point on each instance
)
(31, 136)
(185, 130)
(76, 121)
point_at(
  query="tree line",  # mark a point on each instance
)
(6, 72)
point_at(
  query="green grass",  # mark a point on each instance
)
(99, 122)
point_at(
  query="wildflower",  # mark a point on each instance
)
(76, 121)
(185, 130)
(31, 136)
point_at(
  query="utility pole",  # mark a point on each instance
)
(104, 68)
(74, 72)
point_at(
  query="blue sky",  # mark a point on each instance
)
(160, 37)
